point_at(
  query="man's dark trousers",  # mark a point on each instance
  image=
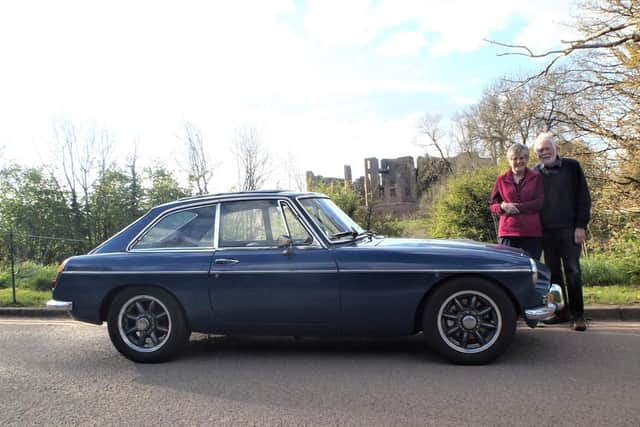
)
(560, 250)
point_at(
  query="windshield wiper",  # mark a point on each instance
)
(352, 233)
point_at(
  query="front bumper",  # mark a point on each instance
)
(554, 303)
(53, 304)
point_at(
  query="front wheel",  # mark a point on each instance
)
(469, 321)
(146, 325)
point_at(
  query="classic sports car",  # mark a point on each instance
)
(284, 263)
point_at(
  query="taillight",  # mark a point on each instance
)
(58, 273)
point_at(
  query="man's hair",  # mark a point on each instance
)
(545, 136)
(516, 149)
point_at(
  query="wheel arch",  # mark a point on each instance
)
(417, 321)
(108, 299)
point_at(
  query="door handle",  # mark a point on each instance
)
(226, 261)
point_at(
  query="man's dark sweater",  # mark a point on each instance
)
(567, 202)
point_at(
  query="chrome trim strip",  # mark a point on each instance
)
(437, 270)
(92, 251)
(216, 227)
(213, 271)
(160, 217)
(173, 250)
(284, 220)
(254, 248)
(56, 305)
(292, 271)
(273, 271)
(133, 272)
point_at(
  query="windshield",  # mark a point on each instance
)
(329, 218)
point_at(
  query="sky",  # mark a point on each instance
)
(325, 82)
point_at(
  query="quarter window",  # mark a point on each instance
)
(297, 232)
(189, 228)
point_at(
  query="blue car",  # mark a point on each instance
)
(294, 264)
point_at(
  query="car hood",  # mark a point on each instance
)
(450, 244)
(432, 253)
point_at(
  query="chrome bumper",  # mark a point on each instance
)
(53, 304)
(555, 303)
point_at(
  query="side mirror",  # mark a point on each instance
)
(285, 242)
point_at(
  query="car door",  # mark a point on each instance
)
(259, 288)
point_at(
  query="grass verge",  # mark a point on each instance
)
(612, 295)
(24, 298)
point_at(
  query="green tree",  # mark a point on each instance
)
(34, 208)
(163, 187)
(110, 199)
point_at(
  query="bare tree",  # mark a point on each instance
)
(609, 24)
(199, 165)
(295, 178)
(81, 150)
(251, 158)
(429, 126)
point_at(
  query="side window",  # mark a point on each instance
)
(298, 233)
(251, 223)
(189, 228)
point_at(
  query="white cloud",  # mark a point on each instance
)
(456, 25)
(406, 43)
(548, 25)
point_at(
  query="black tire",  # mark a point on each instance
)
(469, 321)
(147, 324)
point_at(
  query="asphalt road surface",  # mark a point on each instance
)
(67, 373)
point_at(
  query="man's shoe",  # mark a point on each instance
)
(580, 324)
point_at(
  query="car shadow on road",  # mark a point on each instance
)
(202, 347)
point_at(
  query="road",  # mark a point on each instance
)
(65, 372)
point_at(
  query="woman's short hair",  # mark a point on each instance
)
(516, 150)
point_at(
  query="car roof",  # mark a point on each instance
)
(241, 195)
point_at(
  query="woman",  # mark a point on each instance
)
(517, 198)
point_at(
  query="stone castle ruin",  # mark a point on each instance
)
(391, 185)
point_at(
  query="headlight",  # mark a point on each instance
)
(534, 270)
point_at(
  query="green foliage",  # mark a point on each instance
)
(370, 219)
(604, 269)
(33, 204)
(415, 227)
(342, 195)
(164, 187)
(110, 205)
(352, 203)
(5, 278)
(462, 209)
(29, 275)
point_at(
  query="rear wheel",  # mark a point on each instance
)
(146, 324)
(469, 321)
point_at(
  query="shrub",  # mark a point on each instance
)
(604, 269)
(29, 275)
(5, 278)
(41, 279)
(462, 209)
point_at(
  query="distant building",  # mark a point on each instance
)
(391, 185)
